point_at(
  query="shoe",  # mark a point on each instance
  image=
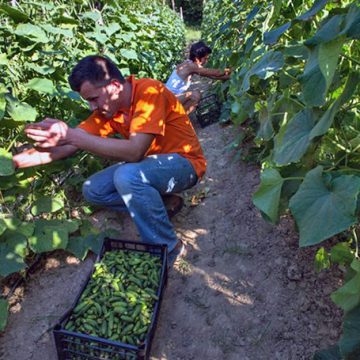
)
(173, 204)
(179, 251)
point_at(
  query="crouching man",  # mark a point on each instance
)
(159, 153)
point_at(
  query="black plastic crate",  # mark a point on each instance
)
(76, 346)
(208, 110)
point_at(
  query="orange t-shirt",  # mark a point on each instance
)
(154, 110)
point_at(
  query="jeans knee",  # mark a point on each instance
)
(126, 179)
(89, 191)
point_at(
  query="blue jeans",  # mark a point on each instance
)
(137, 188)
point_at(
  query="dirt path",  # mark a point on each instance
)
(244, 291)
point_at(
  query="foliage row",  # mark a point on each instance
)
(40, 42)
(192, 10)
(295, 91)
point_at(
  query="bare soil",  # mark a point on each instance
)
(245, 290)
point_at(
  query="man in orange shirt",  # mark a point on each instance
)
(160, 153)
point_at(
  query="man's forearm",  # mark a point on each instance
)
(222, 77)
(129, 150)
(34, 157)
(52, 133)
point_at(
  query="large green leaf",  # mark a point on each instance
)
(348, 296)
(352, 22)
(57, 30)
(11, 222)
(45, 86)
(295, 141)
(47, 204)
(98, 36)
(128, 54)
(242, 109)
(3, 89)
(327, 119)
(126, 37)
(41, 69)
(48, 236)
(17, 239)
(266, 129)
(80, 245)
(63, 19)
(69, 225)
(342, 254)
(4, 306)
(328, 57)
(350, 340)
(32, 32)
(92, 15)
(26, 228)
(4, 60)
(328, 32)
(271, 37)
(267, 197)
(333, 353)
(267, 66)
(15, 14)
(234, 59)
(87, 228)
(318, 5)
(73, 95)
(20, 111)
(6, 163)
(322, 209)
(251, 15)
(298, 51)
(284, 109)
(313, 81)
(112, 28)
(12, 247)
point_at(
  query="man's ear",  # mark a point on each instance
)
(197, 61)
(116, 86)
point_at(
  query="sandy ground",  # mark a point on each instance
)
(245, 291)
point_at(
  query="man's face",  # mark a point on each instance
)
(103, 98)
(204, 60)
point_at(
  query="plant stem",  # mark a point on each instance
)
(344, 170)
(343, 157)
(351, 59)
(13, 142)
(356, 242)
(294, 178)
(298, 103)
(290, 76)
(341, 147)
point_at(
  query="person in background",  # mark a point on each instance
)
(180, 79)
(159, 154)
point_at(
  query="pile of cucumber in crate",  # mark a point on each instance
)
(115, 315)
(118, 301)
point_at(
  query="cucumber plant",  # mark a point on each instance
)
(40, 42)
(295, 92)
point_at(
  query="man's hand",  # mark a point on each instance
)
(49, 133)
(227, 71)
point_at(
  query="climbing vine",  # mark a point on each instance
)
(294, 92)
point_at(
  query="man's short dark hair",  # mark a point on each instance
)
(199, 50)
(98, 70)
